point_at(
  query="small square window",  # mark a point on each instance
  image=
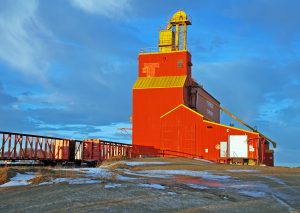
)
(180, 63)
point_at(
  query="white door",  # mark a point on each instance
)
(223, 149)
(238, 146)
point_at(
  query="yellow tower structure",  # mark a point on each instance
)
(174, 37)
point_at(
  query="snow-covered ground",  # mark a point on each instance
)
(145, 163)
(181, 182)
(193, 179)
(171, 173)
(152, 185)
(71, 181)
(20, 180)
(20, 162)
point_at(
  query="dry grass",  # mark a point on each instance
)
(3, 175)
(6, 173)
(114, 163)
(114, 159)
(39, 179)
(49, 174)
(44, 174)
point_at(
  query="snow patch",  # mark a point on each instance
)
(197, 186)
(83, 181)
(145, 174)
(112, 185)
(170, 173)
(145, 163)
(92, 172)
(152, 185)
(254, 189)
(275, 179)
(97, 173)
(242, 186)
(45, 183)
(71, 181)
(19, 180)
(124, 178)
(171, 193)
(19, 162)
(255, 194)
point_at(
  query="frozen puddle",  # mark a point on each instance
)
(152, 185)
(71, 181)
(171, 173)
(146, 185)
(20, 180)
(145, 163)
(97, 173)
(92, 172)
(113, 185)
(90, 176)
(199, 183)
(124, 178)
(193, 179)
(197, 186)
(255, 194)
(255, 189)
(171, 193)
(275, 179)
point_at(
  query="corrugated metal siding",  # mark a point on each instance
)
(159, 82)
(165, 64)
(184, 133)
(148, 106)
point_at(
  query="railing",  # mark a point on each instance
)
(16, 146)
(156, 49)
(149, 50)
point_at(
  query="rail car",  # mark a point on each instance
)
(52, 150)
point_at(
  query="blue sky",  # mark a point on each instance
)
(67, 67)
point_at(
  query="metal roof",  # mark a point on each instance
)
(159, 82)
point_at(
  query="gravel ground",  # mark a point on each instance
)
(154, 185)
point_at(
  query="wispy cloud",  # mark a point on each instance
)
(23, 38)
(111, 9)
(5, 99)
(272, 108)
(111, 132)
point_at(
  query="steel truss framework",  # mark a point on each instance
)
(18, 146)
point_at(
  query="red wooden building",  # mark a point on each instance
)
(173, 113)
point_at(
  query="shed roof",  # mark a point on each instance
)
(159, 82)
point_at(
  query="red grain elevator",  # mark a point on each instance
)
(174, 114)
